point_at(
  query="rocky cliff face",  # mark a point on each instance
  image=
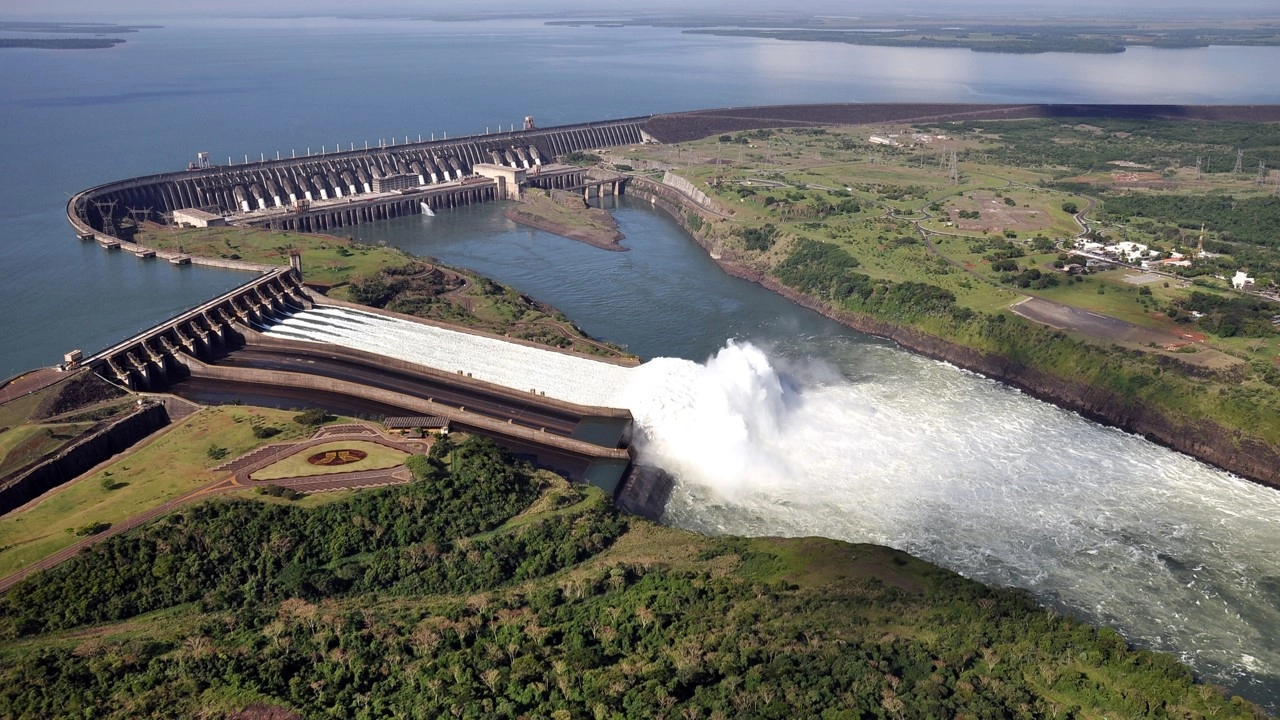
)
(1231, 450)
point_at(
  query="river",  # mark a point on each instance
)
(778, 421)
(799, 426)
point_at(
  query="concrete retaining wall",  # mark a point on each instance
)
(417, 405)
(81, 456)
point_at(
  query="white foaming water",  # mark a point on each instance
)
(565, 377)
(978, 478)
(891, 448)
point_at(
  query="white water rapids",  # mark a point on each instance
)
(876, 445)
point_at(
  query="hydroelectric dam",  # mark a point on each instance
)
(987, 484)
(274, 338)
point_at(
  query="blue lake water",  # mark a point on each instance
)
(924, 457)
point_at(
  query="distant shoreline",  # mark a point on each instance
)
(60, 43)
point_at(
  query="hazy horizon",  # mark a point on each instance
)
(141, 10)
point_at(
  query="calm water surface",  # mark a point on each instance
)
(916, 454)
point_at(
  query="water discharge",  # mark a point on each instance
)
(907, 452)
(871, 444)
(559, 375)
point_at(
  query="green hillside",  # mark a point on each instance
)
(486, 589)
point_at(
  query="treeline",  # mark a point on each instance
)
(1231, 316)
(1246, 220)
(828, 272)
(237, 553)
(1095, 143)
(1028, 43)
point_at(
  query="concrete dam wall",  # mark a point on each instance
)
(272, 184)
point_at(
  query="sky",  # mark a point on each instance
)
(136, 10)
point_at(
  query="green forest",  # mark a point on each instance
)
(485, 589)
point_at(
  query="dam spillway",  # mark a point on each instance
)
(523, 368)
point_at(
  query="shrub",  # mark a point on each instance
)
(312, 417)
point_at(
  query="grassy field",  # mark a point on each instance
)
(781, 176)
(311, 500)
(376, 457)
(163, 468)
(29, 443)
(328, 260)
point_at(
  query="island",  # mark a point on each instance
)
(569, 216)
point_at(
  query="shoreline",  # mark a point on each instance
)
(1205, 441)
(605, 237)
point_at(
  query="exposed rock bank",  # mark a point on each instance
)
(568, 216)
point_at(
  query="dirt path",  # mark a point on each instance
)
(1065, 317)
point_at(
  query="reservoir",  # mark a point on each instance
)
(778, 421)
(800, 426)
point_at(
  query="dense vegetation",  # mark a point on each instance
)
(1244, 229)
(453, 296)
(460, 595)
(1096, 143)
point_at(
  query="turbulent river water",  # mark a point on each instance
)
(777, 421)
(801, 426)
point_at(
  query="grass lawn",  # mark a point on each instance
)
(28, 443)
(327, 259)
(19, 410)
(377, 458)
(311, 500)
(167, 466)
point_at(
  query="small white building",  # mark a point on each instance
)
(192, 217)
(1242, 281)
(878, 140)
(1130, 251)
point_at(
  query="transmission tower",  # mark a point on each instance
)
(1197, 167)
(106, 209)
(139, 215)
(953, 169)
(1262, 173)
(1239, 162)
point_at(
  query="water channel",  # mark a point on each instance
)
(778, 421)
